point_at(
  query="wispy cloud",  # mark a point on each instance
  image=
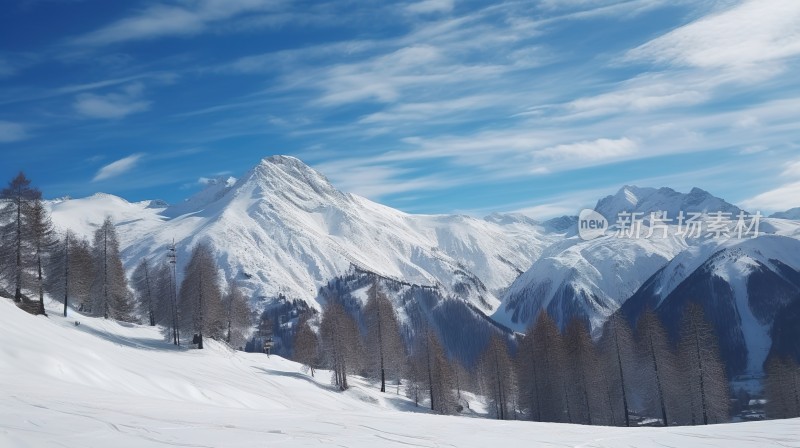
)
(12, 132)
(163, 19)
(751, 33)
(117, 167)
(783, 197)
(112, 105)
(430, 6)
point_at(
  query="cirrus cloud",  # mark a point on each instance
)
(117, 167)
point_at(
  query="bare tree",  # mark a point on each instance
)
(200, 300)
(145, 286)
(69, 271)
(549, 367)
(238, 316)
(585, 385)
(43, 242)
(306, 345)
(497, 378)
(526, 369)
(433, 372)
(341, 343)
(782, 388)
(658, 372)
(164, 290)
(17, 201)
(617, 355)
(385, 348)
(109, 291)
(703, 370)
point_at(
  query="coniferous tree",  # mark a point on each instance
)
(199, 300)
(497, 378)
(658, 371)
(43, 241)
(703, 370)
(384, 343)
(109, 290)
(17, 202)
(306, 346)
(238, 316)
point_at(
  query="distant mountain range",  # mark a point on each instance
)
(283, 230)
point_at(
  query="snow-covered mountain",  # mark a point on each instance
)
(635, 199)
(792, 213)
(742, 286)
(282, 228)
(592, 279)
(584, 279)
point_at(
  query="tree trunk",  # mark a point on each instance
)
(41, 287)
(18, 272)
(622, 379)
(66, 274)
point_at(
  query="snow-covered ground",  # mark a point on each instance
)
(103, 384)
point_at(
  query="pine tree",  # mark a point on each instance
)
(306, 346)
(703, 369)
(497, 378)
(658, 372)
(199, 300)
(385, 348)
(145, 286)
(238, 316)
(109, 291)
(43, 241)
(17, 201)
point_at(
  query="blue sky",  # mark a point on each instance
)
(432, 106)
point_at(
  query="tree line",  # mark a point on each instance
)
(37, 259)
(626, 377)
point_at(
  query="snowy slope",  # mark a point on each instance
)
(742, 285)
(102, 384)
(83, 216)
(585, 279)
(283, 228)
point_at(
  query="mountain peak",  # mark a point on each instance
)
(287, 173)
(631, 198)
(280, 159)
